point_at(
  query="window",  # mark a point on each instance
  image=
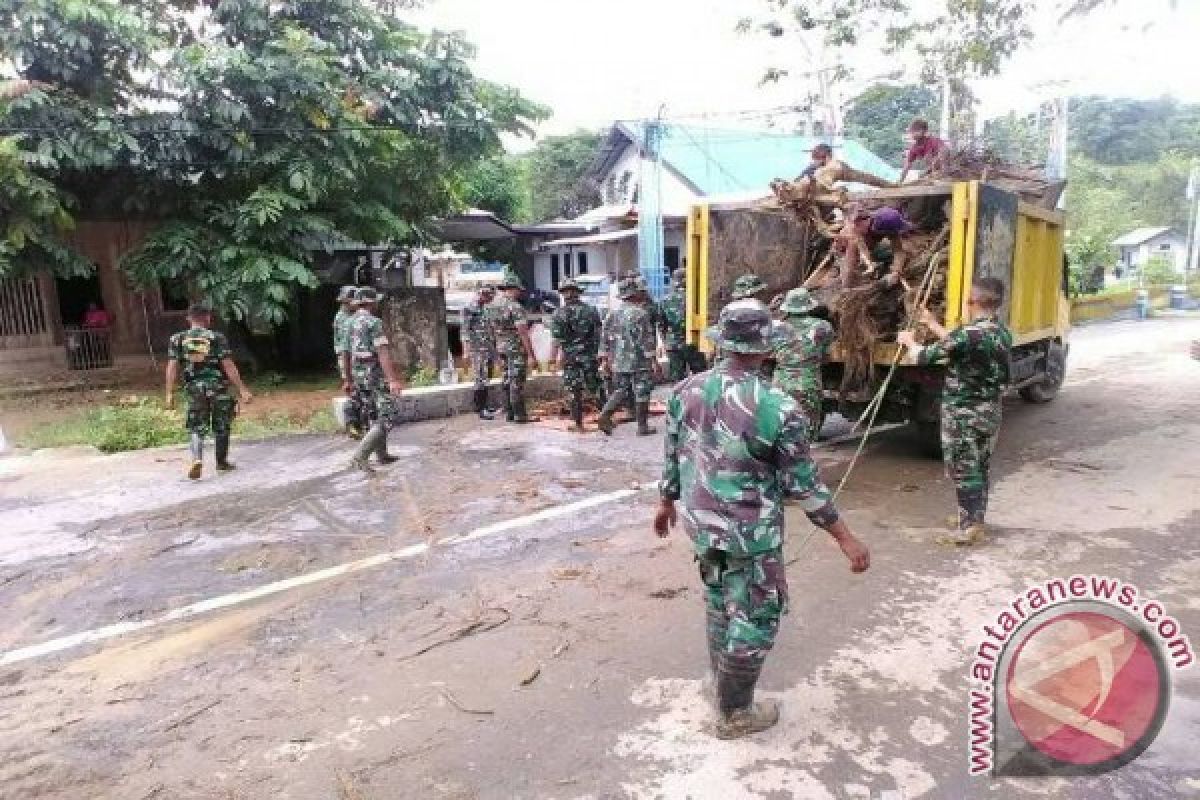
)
(566, 264)
(671, 259)
(1165, 247)
(554, 271)
(581, 263)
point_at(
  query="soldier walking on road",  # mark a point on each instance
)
(481, 348)
(208, 369)
(630, 347)
(801, 344)
(510, 330)
(682, 357)
(736, 449)
(341, 344)
(376, 384)
(576, 328)
(976, 356)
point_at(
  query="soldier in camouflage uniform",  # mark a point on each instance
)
(341, 344)
(682, 357)
(376, 385)
(510, 331)
(629, 354)
(736, 449)
(208, 369)
(976, 356)
(480, 347)
(576, 328)
(801, 343)
(750, 287)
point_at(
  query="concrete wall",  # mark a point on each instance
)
(415, 319)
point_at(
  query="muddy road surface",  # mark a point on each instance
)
(492, 618)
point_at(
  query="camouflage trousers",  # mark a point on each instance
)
(684, 361)
(210, 410)
(968, 439)
(514, 370)
(745, 597)
(482, 362)
(583, 375)
(811, 405)
(633, 386)
(373, 396)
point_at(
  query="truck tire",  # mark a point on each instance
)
(1056, 373)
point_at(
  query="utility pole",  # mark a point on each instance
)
(1193, 197)
(650, 222)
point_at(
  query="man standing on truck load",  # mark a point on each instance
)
(800, 347)
(672, 324)
(509, 324)
(736, 449)
(629, 355)
(976, 356)
(481, 348)
(576, 328)
(925, 148)
(341, 344)
(376, 384)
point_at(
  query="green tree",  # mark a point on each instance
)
(501, 185)
(558, 175)
(288, 125)
(879, 117)
(1159, 271)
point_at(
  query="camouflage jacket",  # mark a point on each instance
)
(200, 352)
(801, 346)
(577, 328)
(736, 448)
(672, 319)
(976, 356)
(366, 336)
(476, 334)
(629, 339)
(504, 319)
(341, 331)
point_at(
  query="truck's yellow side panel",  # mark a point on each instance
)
(962, 251)
(1035, 306)
(697, 277)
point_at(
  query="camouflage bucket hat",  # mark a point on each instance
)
(346, 294)
(569, 286)
(679, 276)
(745, 327)
(511, 281)
(798, 301)
(366, 295)
(631, 287)
(748, 286)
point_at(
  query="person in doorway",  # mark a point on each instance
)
(630, 355)
(509, 326)
(341, 345)
(96, 318)
(976, 356)
(576, 327)
(800, 347)
(736, 450)
(204, 358)
(481, 348)
(926, 148)
(682, 358)
(377, 386)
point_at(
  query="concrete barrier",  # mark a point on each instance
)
(439, 402)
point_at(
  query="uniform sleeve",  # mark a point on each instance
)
(558, 325)
(378, 335)
(946, 351)
(221, 349)
(824, 339)
(668, 486)
(649, 341)
(519, 318)
(802, 481)
(175, 348)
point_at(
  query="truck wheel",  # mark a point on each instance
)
(1056, 373)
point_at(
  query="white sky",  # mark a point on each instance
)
(596, 61)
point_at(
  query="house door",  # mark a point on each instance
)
(23, 318)
(671, 259)
(554, 275)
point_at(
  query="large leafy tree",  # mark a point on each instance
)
(257, 132)
(558, 169)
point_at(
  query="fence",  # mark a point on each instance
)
(88, 348)
(23, 321)
(1106, 306)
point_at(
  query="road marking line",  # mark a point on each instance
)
(237, 598)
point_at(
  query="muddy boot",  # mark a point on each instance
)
(605, 421)
(196, 447)
(717, 629)
(373, 442)
(577, 411)
(970, 529)
(739, 714)
(642, 414)
(481, 404)
(508, 406)
(222, 447)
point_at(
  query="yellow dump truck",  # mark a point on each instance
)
(993, 232)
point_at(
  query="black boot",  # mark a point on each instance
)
(605, 421)
(519, 415)
(508, 406)
(222, 447)
(481, 405)
(577, 410)
(717, 629)
(971, 506)
(371, 443)
(642, 413)
(196, 447)
(739, 714)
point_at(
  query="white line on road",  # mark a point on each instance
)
(238, 598)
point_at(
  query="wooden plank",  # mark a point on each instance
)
(1030, 210)
(905, 192)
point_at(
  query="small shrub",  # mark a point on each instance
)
(1160, 271)
(422, 376)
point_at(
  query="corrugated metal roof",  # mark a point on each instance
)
(1139, 236)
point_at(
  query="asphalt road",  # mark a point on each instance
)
(492, 618)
